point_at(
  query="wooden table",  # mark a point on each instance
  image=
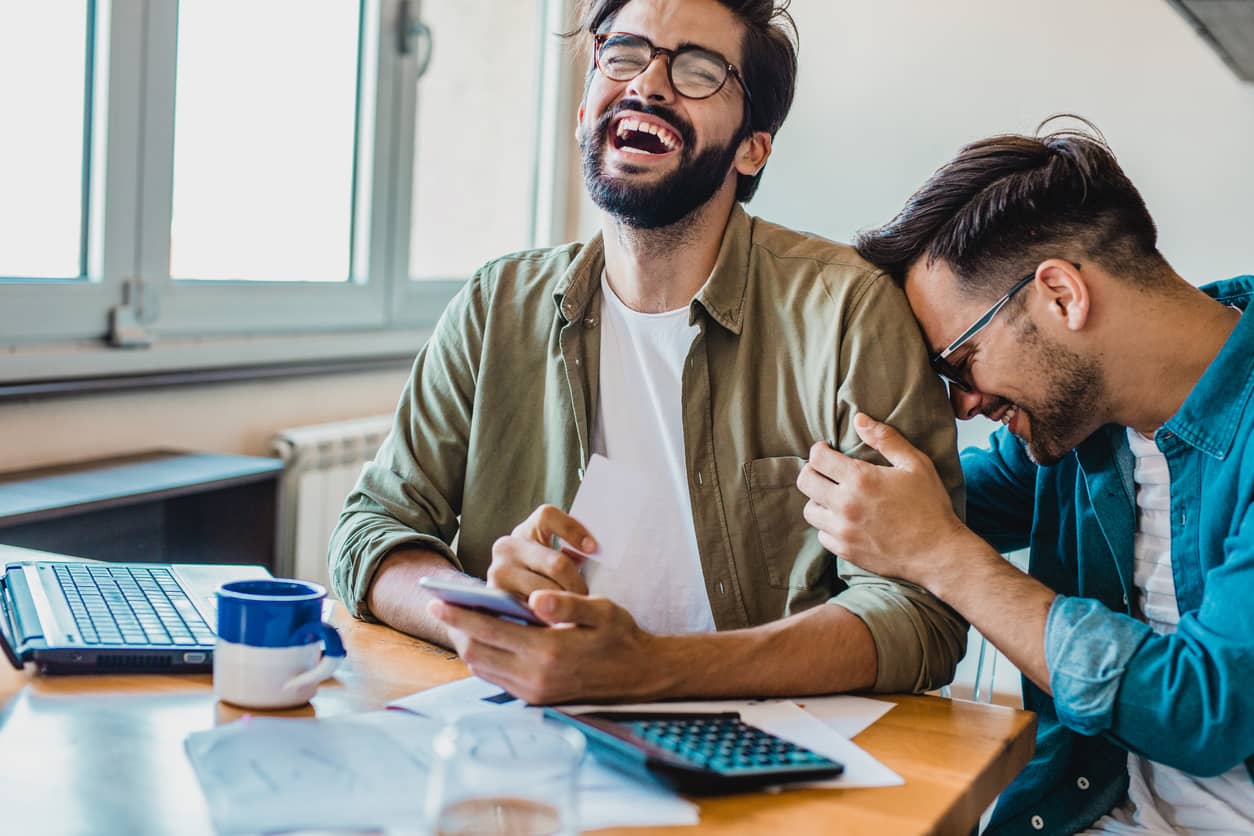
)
(104, 753)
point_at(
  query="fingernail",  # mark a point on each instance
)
(862, 420)
(588, 545)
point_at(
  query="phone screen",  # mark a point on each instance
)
(482, 598)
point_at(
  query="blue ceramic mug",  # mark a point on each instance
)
(273, 647)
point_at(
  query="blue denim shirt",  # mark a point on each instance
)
(1185, 700)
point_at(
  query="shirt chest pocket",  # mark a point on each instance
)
(788, 547)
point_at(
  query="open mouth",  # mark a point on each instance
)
(1010, 419)
(1008, 414)
(643, 136)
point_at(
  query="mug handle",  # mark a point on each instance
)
(332, 655)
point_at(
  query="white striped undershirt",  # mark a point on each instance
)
(1156, 588)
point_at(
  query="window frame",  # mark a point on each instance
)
(58, 330)
(213, 306)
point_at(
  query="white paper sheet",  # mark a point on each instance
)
(370, 771)
(457, 699)
(620, 529)
(266, 774)
(846, 715)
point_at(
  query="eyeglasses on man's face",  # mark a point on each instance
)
(694, 72)
(951, 361)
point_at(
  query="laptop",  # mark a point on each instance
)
(89, 617)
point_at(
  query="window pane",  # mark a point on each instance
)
(475, 139)
(265, 122)
(43, 79)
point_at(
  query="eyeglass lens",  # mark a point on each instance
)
(696, 73)
(953, 369)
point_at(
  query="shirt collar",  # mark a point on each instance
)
(722, 296)
(1211, 415)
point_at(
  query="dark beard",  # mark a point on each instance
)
(667, 201)
(1073, 397)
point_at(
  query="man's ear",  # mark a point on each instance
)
(753, 153)
(1065, 292)
(579, 119)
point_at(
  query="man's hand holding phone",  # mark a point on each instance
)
(522, 563)
(594, 649)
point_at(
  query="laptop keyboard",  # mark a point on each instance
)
(130, 605)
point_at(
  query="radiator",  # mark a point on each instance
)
(321, 466)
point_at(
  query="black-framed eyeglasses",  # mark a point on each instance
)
(953, 372)
(695, 72)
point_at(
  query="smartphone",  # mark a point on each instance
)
(487, 599)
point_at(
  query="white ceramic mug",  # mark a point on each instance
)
(273, 648)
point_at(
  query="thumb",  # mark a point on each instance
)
(890, 443)
(557, 607)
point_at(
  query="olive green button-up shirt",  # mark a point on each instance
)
(797, 333)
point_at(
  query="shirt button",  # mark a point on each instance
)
(1082, 782)
(1038, 823)
(590, 322)
(1125, 600)
(721, 591)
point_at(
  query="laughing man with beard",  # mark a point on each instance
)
(691, 341)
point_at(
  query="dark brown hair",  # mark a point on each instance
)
(1006, 203)
(768, 61)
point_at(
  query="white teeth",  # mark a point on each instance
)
(1009, 414)
(665, 136)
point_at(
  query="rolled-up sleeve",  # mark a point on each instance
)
(1088, 648)
(1186, 699)
(884, 373)
(410, 494)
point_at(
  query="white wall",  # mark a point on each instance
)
(890, 89)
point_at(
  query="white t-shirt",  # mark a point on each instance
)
(1162, 800)
(639, 421)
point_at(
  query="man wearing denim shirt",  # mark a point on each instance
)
(1032, 267)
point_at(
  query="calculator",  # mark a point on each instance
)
(697, 754)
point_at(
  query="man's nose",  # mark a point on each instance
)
(654, 83)
(966, 405)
